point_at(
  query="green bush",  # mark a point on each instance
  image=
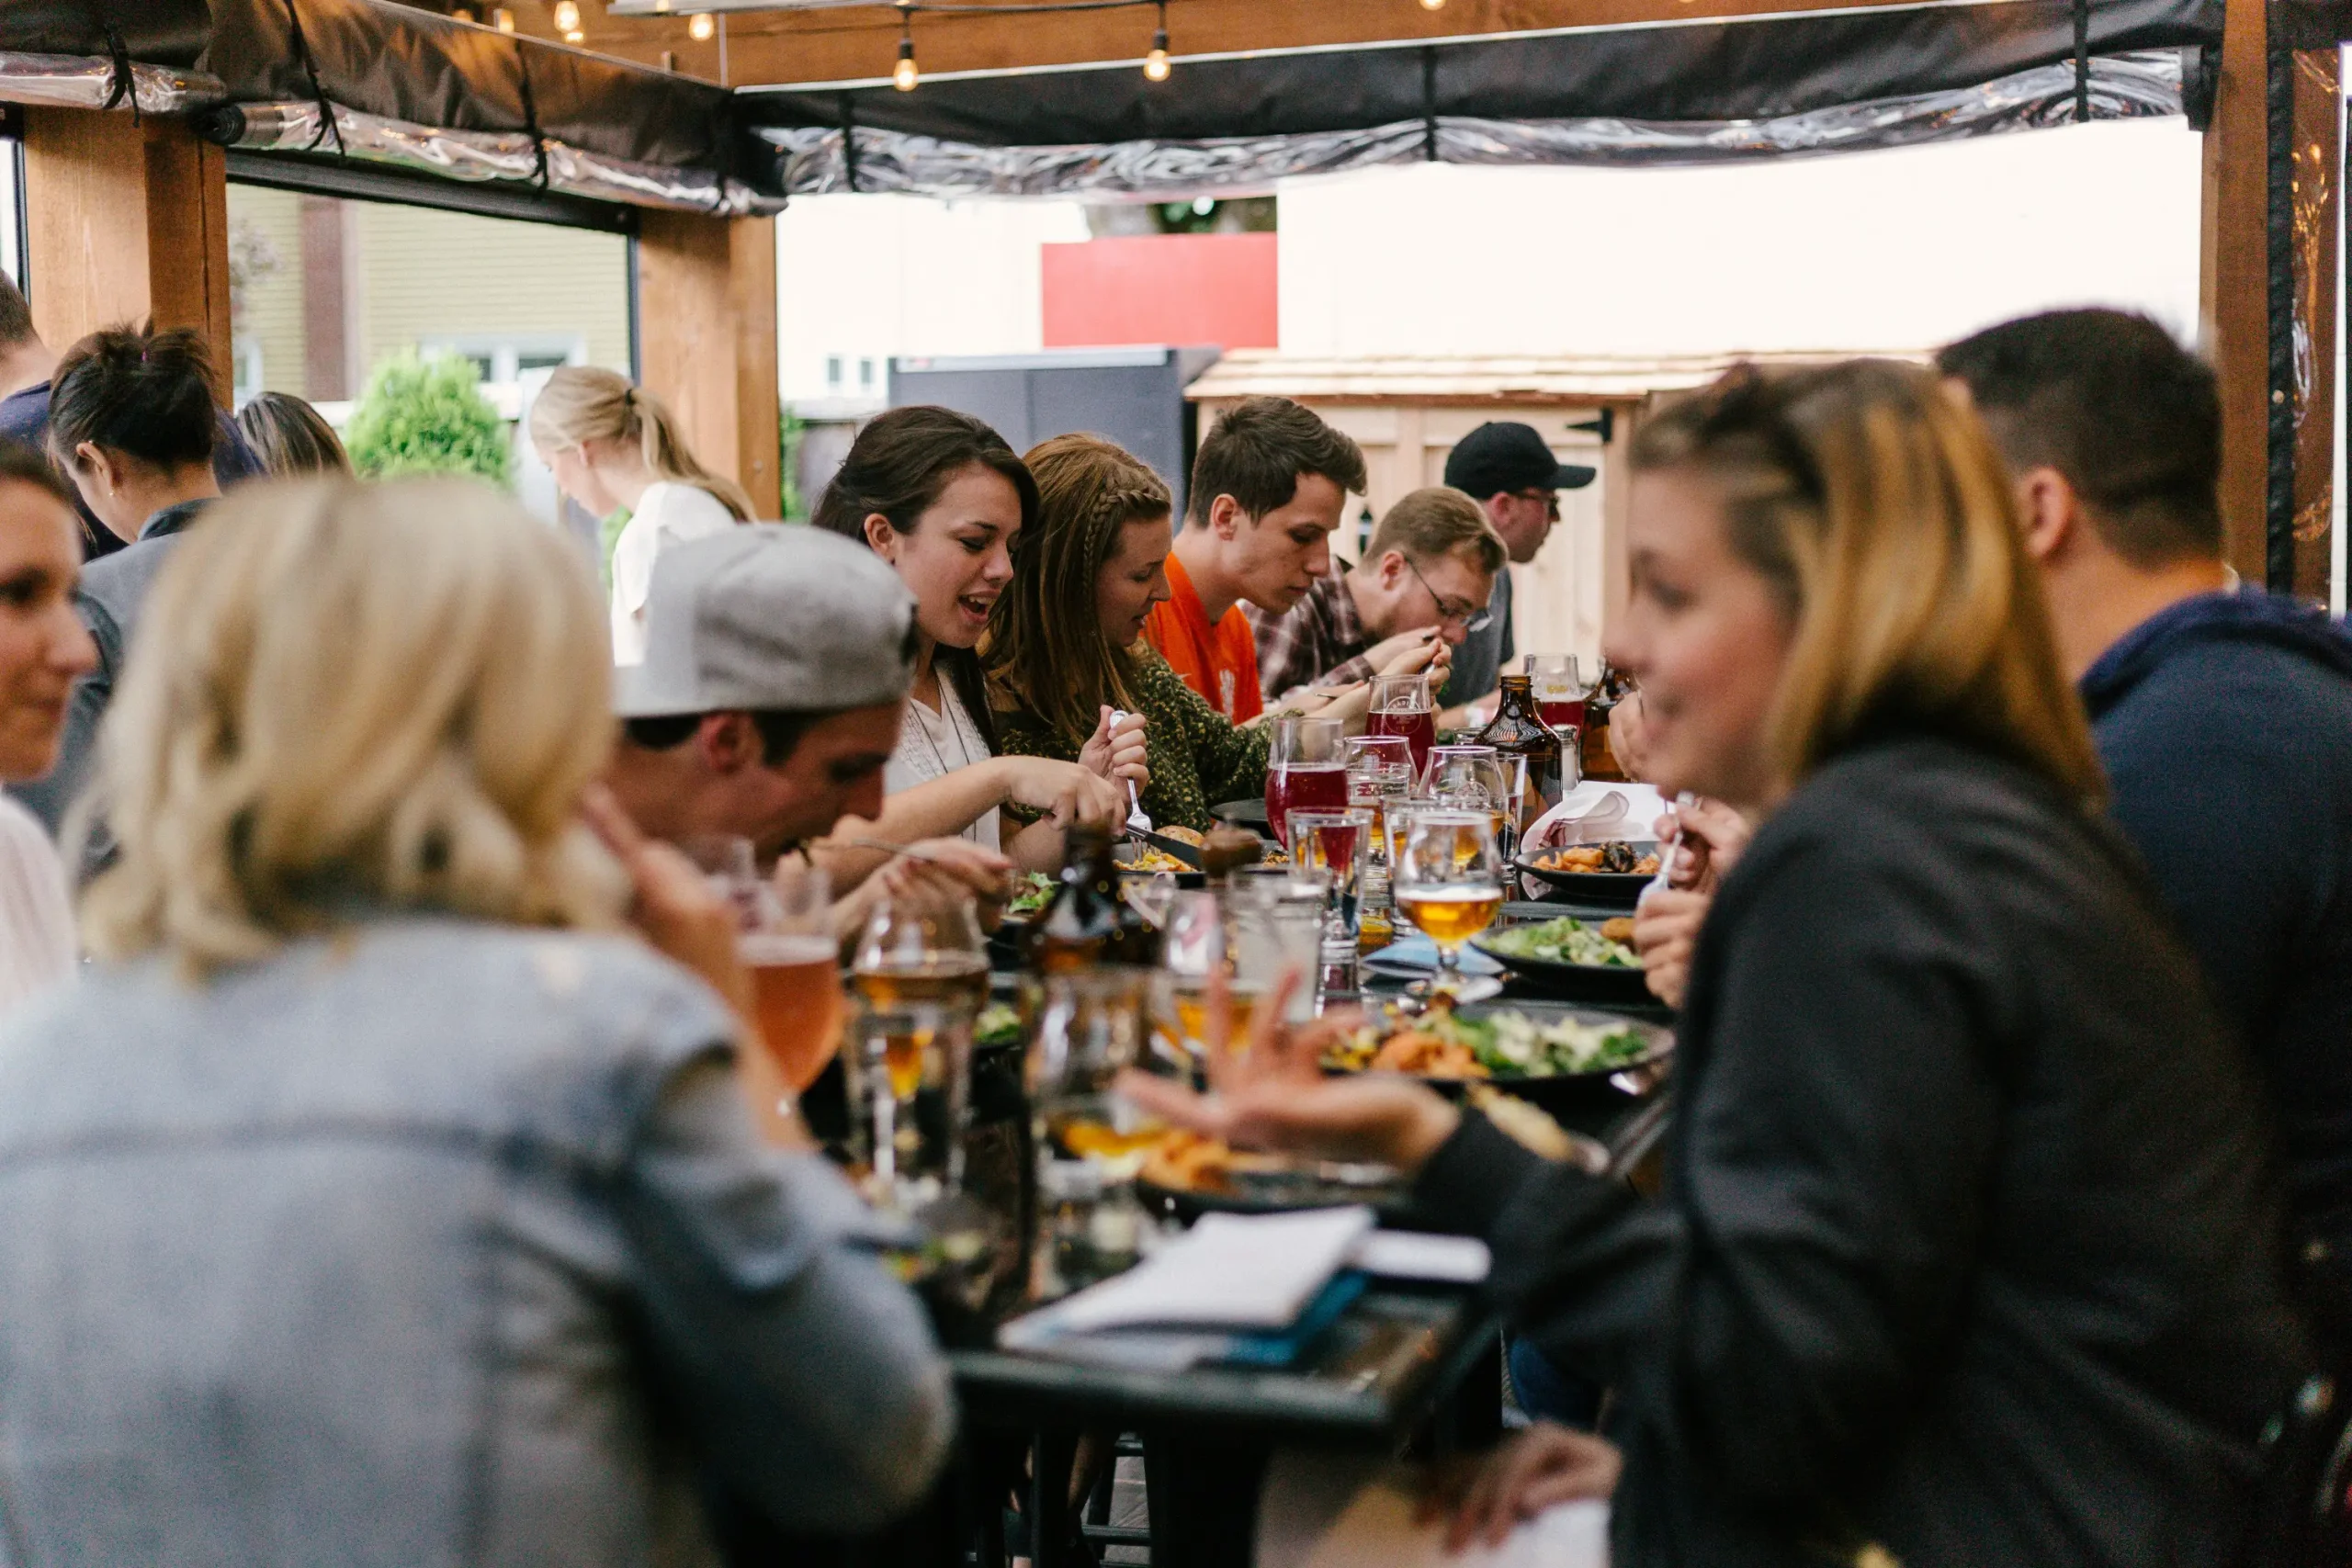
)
(428, 416)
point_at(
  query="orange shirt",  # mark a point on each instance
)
(1219, 661)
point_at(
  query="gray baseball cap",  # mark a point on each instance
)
(771, 615)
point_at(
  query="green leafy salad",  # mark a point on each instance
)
(1029, 894)
(998, 1024)
(1563, 941)
(1510, 1043)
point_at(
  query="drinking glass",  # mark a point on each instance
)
(1306, 770)
(795, 972)
(1338, 842)
(922, 975)
(1404, 705)
(1092, 1024)
(1449, 881)
(1274, 923)
(729, 862)
(1380, 769)
(1479, 778)
(1193, 950)
(1560, 691)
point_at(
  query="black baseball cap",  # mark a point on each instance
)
(1503, 456)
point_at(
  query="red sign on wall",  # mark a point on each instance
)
(1173, 288)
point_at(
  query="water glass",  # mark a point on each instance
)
(1195, 949)
(1274, 917)
(1091, 1026)
(922, 975)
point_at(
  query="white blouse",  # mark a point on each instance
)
(934, 743)
(37, 944)
(666, 514)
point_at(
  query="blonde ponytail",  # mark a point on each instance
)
(582, 402)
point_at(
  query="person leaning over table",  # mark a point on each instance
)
(1269, 483)
(132, 420)
(1968, 1249)
(1066, 648)
(776, 667)
(1422, 584)
(939, 496)
(377, 1197)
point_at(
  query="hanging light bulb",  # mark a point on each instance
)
(567, 17)
(662, 7)
(1155, 65)
(1432, 4)
(575, 37)
(503, 20)
(703, 27)
(904, 76)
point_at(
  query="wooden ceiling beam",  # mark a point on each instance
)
(861, 41)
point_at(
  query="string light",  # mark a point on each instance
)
(702, 27)
(1155, 65)
(575, 37)
(1432, 4)
(502, 19)
(904, 76)
(567, 17)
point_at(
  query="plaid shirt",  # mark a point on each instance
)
(1319, 642)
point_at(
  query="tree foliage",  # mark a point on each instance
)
(428, 416)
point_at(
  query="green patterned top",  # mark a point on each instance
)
(1197, 758)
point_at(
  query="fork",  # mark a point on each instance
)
(1138, 821)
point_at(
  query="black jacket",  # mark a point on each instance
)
(2225, 723)
(1970, 1246)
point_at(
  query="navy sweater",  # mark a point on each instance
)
(2225, 723)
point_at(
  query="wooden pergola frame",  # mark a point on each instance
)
(127, 219)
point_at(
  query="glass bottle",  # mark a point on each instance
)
(1087, 922)
(1599, 762)
(1519, 734)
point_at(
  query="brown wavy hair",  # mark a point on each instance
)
(1875, 505)
(1045, 650)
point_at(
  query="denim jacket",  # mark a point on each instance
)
(431, 1242)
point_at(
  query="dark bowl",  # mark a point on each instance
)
(1608, 889)
(1572, 1096)
(1610, 982)
(1251, 814)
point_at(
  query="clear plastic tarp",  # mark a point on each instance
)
(2121, 87)
(72, 81)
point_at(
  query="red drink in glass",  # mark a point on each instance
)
(1418, 727)
(1304, 786)
(1563, 714)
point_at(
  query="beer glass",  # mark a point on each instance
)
(789, 949)
(1449, 881)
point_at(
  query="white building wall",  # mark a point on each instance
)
(862, 277)
(1894, 250)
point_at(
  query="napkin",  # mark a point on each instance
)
(1416, 955)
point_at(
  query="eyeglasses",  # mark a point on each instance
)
(1473, 618)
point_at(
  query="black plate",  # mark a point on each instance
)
(1611, 889)
(1285, 1194)
(1564, 1094)
(1588, 982)
(1242, 814)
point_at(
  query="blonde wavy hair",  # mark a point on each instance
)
(1876, 506)
(347, 696)
(584, 402)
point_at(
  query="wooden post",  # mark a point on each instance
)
(129, 223)
(707, 340)
(2236, 281)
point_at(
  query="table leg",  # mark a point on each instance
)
(1203, 1494)
(1052, 1524)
